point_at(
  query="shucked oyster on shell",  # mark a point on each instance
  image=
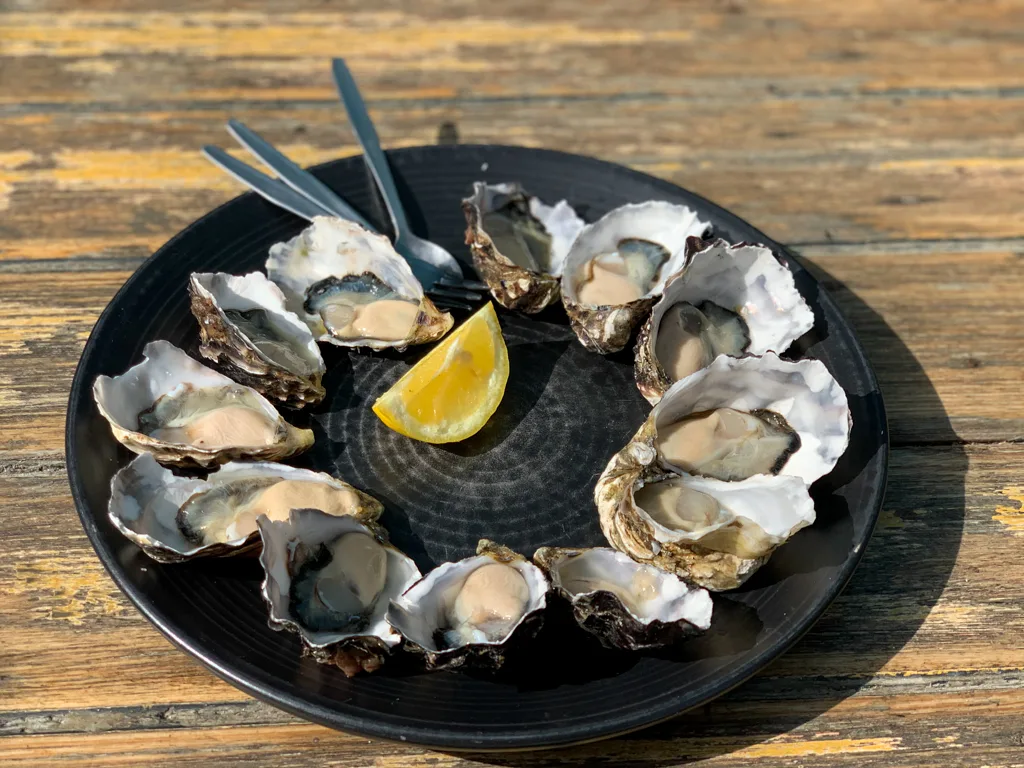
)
(246, 329)
(718, 476)
(351, 288)
(469, 613)
(184, 413)
(330, 579)
(625, 604)
(175, 518)
(618, 266)
(519, 244)
(731, 300)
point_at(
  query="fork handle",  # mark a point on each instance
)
(370, 142)
(266, 187)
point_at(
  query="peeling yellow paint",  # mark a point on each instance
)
(153, 169)
(76, 247)
(8, 394)
(953, 164)
(23, 322)
(10, 160)
(1012, 517)
(66, 587)
(683, 749)
(360, 35)
(93, 66)
(818, 747)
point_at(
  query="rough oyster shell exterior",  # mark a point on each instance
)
(224, 344)
(145, 499)
(608, 329)
(803, 392)
(352, 652)
(332, 247)
(678, 612)
(513, 286)
(120, 399)
(410, 616)
(746, 279)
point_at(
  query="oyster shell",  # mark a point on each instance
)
(174, 518)
(330, 579)
(623, 603)
(519, 244)
(717, 532)
(352, 289)
(184, 413)
(468, 613)
(618, 266)
(711, 533)
(802, 407)
(730, 299)
(245, 328)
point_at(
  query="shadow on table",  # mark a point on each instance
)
(792, 692)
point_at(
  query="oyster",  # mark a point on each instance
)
(730, 300)
(184, 413)
(618, 266)
(718, 476)
(177, 518)
(519, 244)
(351, 288)
(796, 413)
(330, 579)
(623, 603)
(467, 613)
(712, 533)
(245, 328)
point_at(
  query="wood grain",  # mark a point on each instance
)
(881, 138)
(114, 50)
(800, 169)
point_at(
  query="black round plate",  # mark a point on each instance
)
(525, 480)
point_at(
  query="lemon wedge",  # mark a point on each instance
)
(451, 393)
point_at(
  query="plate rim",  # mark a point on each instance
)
(560, 736)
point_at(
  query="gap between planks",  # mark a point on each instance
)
(762, 692)
(771, 93)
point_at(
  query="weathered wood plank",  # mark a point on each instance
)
(878, 124)
(929, 605)
(968, 730)
(805, 171)
(127, 51)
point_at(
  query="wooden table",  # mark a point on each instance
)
(882, 140)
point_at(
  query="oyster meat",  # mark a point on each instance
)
(728, 444)
(245, 328)
(730, 300)
(718, 476)
(623, 603)
(184, 413)
(618, 266)
(519, 244)
(468, 613)
(176, 518)
(351, 288)
(330, 579)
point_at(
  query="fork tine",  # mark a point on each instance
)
(468, 285)
(450, 293)
(303, 182)
(269, 188)
(449, 303)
